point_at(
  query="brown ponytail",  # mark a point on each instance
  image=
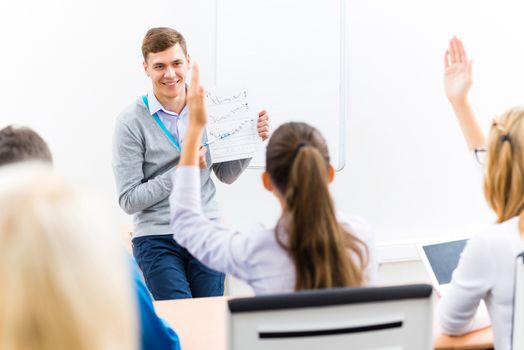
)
(323, 252)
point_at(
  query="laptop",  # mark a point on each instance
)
(440, 260)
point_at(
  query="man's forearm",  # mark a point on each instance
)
(228, 172)
(135, 198)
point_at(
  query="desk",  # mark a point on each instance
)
(481, 339)
(201, 325)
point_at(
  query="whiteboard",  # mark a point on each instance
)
(290, 56)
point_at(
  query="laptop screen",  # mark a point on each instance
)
(443, 258)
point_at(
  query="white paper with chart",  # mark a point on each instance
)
(232, 126)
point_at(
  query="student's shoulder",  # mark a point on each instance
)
(495, 236)
(259, 235)
(357, 226)
(495, 242)
(356, 223)
(259, 232)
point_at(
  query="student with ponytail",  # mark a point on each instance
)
(310, 246)
(486, 269)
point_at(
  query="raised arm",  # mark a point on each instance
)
(457, 82)
(208, 241)
(197, 121)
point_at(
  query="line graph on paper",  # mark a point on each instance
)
(232, 122)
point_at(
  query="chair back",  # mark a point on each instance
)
(398, 317)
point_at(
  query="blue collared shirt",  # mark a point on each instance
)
(175, 123)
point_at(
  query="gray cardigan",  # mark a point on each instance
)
(143, 159)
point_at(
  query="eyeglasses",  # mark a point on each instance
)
(480, 155)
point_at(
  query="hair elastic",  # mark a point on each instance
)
(503, 138)
(297, 149)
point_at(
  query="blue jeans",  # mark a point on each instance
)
(171, 272)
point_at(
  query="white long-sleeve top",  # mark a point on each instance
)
(255, 256)
(486, 270)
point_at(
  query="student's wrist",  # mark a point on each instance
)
(459, 102)
(196, 130)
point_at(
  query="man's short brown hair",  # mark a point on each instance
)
(20, 144)
(160, 39)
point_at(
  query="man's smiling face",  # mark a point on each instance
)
(168, 70)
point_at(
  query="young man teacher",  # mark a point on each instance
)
(146, 148)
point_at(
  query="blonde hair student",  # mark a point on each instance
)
(487, 265)
(310, 247)
(504, 178)
(65, 278)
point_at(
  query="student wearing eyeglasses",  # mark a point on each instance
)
(486, 268)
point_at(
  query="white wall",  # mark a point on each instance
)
(70, 67)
